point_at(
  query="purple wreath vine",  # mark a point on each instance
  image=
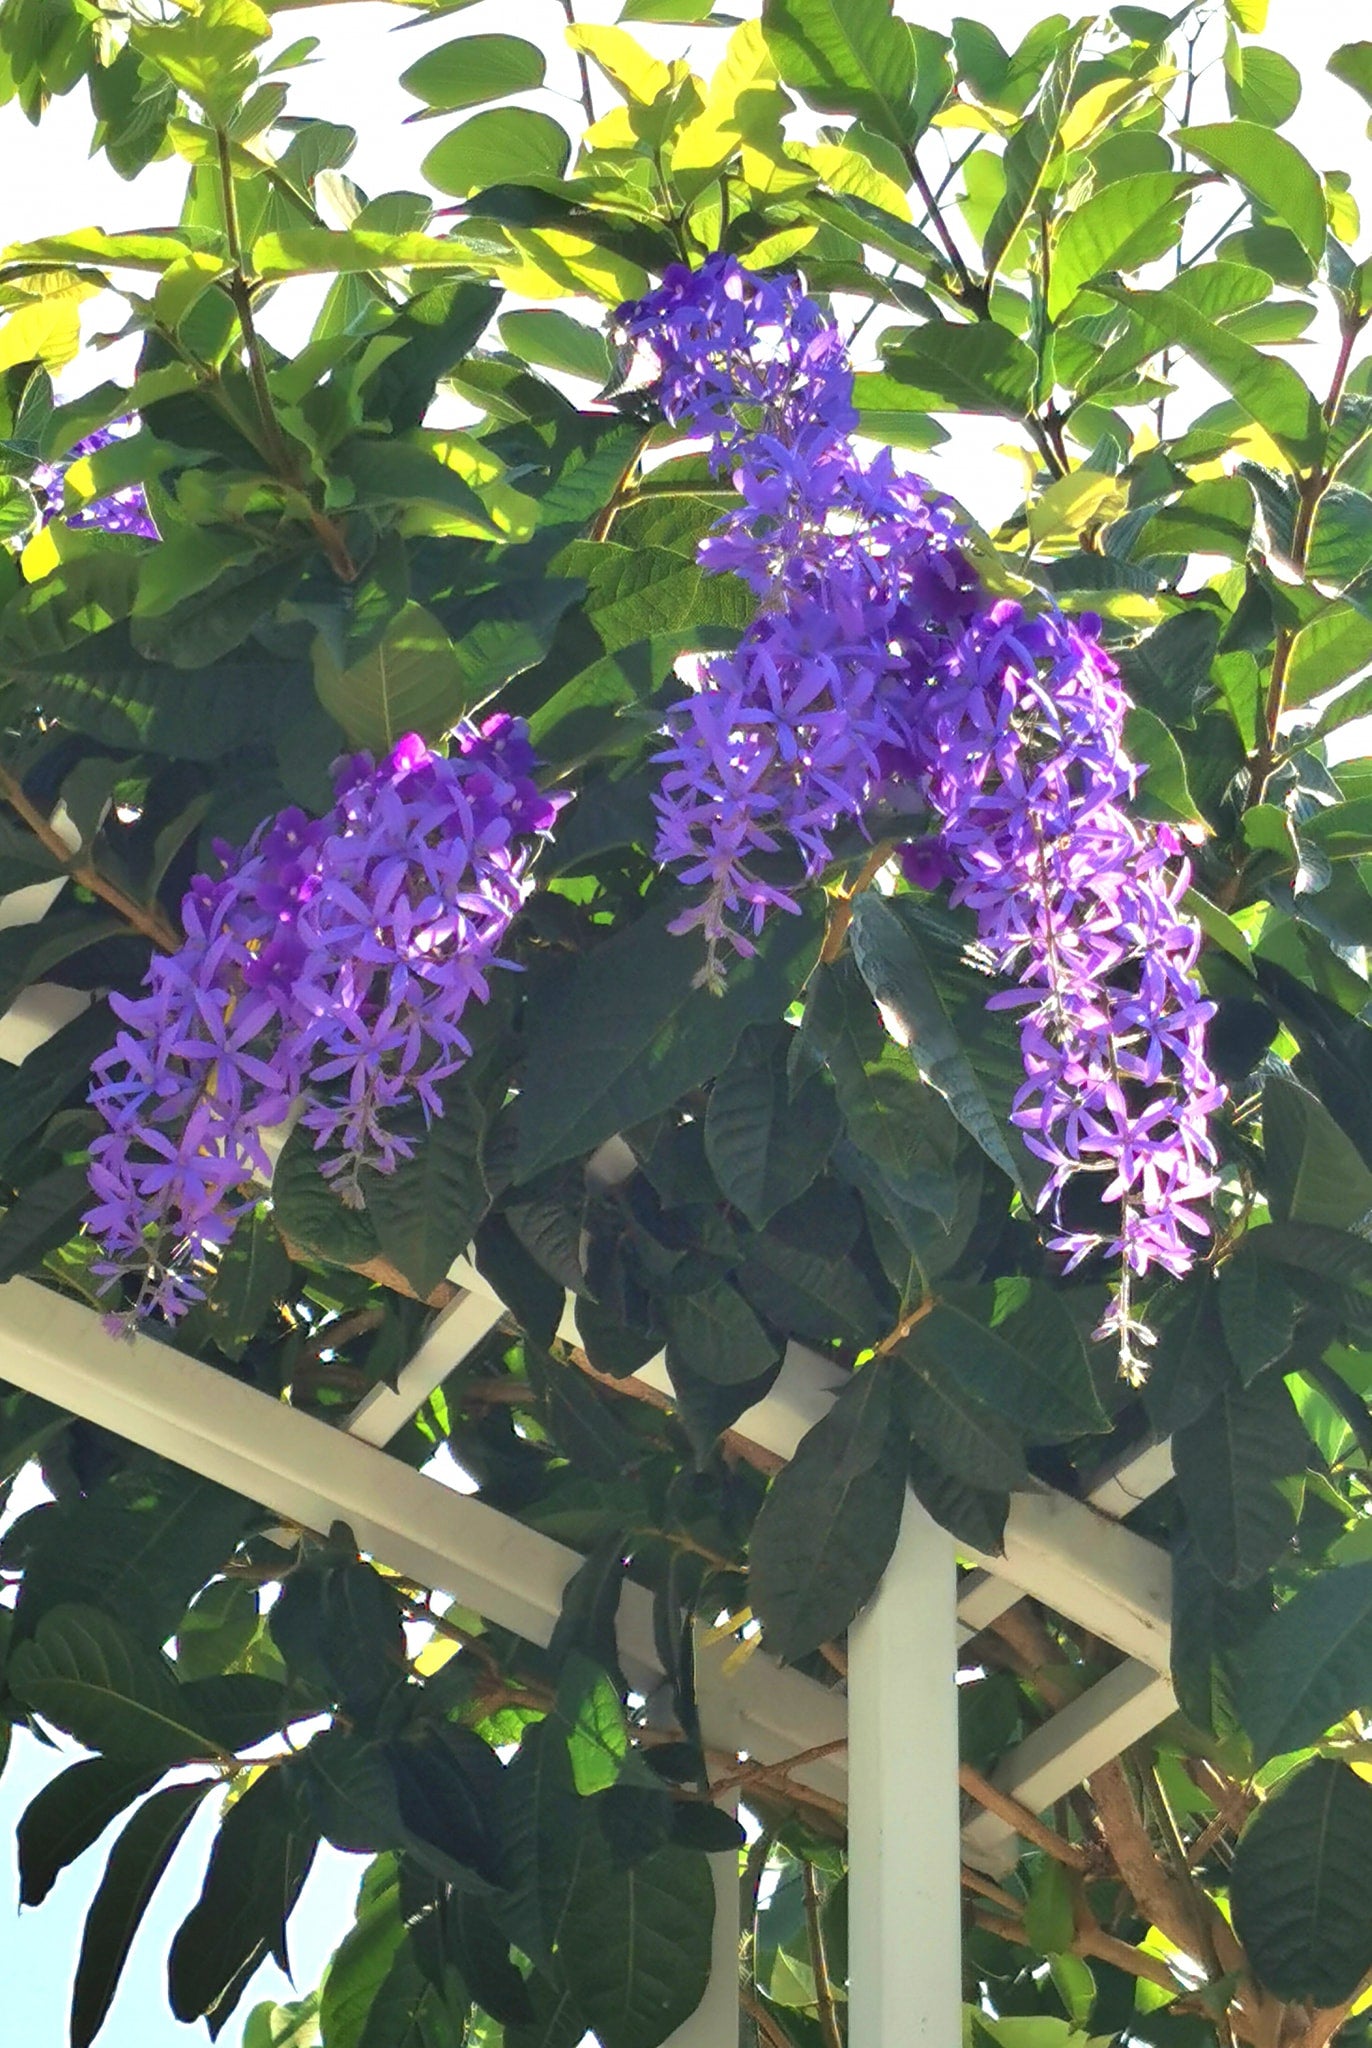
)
(877, 662)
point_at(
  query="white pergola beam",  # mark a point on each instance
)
(455, 1331)
(1119, 1709)
(313, 1474)
(1063, 1552)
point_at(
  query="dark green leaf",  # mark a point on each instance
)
(894, 966)
(830, 1519)
(973, 368)
(70, 1813)
(426, 1211)
(715, 1336)
(260, 1859)
(44, 1216)
(626, 1031)
(90, 1678)
(136, 1864)
(634, 1942)
(1311, 1664)
(1301, 1885)
(764, 1146)
(1234, 1468)
(1315, 1172)
(1015, 1348)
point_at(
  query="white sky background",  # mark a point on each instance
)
(47, 185)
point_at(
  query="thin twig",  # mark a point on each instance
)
(1021, 1819)
(762, 1774)
(583, 68)
(148, 918)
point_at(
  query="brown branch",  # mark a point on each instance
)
(1090, 1942)
(1156, 1893)
(763, 1774)
(762, 2020)
(1024, 1823)
(973, 1881)
(841, 905)
(148, 918)
(587, 102)
(825, 2010)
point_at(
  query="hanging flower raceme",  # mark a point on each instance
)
(876, 660)
(124, 510)
(334, 961)
(788, 736)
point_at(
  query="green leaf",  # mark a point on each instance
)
(1013, 1347)
(1335, 645)
(507, 145)
(557, 342)
(254, 1275)
(846, 57)
(310, 1213)
(1266, 88)
(1315, 1173)
(966, 368)
(714, 1335)
(1271, 169)
(135, 1868)
(88, 1676)
(1352, 63)
(597, 1735)
(70, 1813)
(1163, 792)
(473, 69)
(1230, 1466)
(1310, 1664)
(219, 618)
(1269, 391)
(627, 1031)
(1341, 543)
(411, 681)
(765, 1146)
(894, 967)
(305, 252)
(425, 1212)
(1120, 228)
(260, 1860)
(1214, 518)
(830, 1520)
(1030, 150)
(1301, 1885)
(634, 1943)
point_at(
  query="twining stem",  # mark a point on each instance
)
(974, 293)
(583, 68)
(275, 445)
(1025, 1824)
(841, 906)
(825, 2010)
(148, 918)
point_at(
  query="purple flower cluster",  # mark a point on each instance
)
(877, 662)
(333, 961)
(122, 511)
(789, 735)
(1022, 739)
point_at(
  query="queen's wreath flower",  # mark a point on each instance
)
(327, 971)
(878, 663)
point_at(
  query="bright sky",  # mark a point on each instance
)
(53, 186)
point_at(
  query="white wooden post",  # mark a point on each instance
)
(904, 1961)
